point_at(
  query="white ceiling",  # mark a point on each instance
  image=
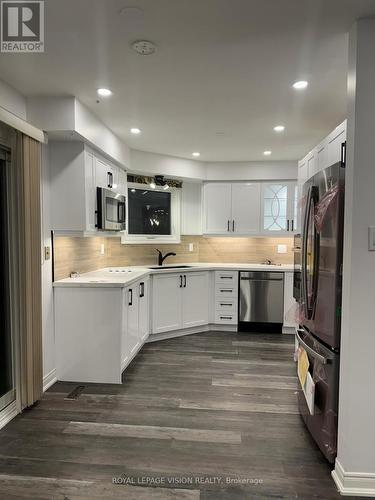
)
(220, 80)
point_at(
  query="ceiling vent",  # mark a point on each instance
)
(144, 47)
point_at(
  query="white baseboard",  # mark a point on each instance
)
(49, 379)
(354, 483)
(8, 414)
(190, 331)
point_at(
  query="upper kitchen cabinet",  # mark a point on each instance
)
(279, 208)
(75, 173)
(335, 142)
(231, 209)
(191, 208)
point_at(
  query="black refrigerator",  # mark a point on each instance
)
(318, 337)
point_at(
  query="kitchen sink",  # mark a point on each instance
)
(171, 267)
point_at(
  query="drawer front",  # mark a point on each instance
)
(223, 318)
(224, 306)
(226, 292)
(226, 277)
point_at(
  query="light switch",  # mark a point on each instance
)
(281, 248)
(102, 249)
(371, 239)
(191, 247)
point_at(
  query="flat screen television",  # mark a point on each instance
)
(149, 212)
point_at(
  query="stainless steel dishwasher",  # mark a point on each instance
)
(261, 307)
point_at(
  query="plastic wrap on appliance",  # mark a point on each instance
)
(324, 204)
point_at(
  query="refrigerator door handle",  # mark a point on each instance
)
(311, 351)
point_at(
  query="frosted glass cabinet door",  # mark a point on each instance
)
(245, 208)
(279, 208)
(217, 208)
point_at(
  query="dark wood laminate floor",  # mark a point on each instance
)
(209, 416)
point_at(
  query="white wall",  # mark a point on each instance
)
(355, 466)
(12, 100)
(256, 171)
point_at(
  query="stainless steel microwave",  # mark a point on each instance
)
(111, 210)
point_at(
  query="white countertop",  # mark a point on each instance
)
(124, 276)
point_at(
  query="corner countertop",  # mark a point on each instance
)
(123, 276)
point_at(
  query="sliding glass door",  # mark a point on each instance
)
(7, 384)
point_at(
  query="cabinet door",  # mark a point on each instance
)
(195, 299)
(132, 299)
(294, 221)
(275, 208)
(191, 208)
(335, 140)
(122, 182)
(289, 301)
(217, 208)
(245, 208)
(105, 174)
(303, 174)
(90, 192)
(144, 301)
(321, 153)
(166, 303)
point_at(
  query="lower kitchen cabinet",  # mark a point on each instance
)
(180, 301)
(136, 319)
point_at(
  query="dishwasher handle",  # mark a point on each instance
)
(261, 279)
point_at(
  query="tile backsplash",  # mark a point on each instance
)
(84, 254)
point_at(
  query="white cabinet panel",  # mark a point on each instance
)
(195, 299)
(144, 303)
(166, 303)
(217, 208)
(132, 303)
(321, 152)
(90, 192)
(289, 301)
(334, 144)
(246, 208)
(191, 208)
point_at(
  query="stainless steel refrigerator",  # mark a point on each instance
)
(320, 303)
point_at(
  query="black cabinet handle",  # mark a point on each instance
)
(142, 289)
(233, 225)
(130, 296)
(180, 281)
(343, 154)
(226, 317)
(228, 226)
(287, 225)
(292, 224)
(184, 280)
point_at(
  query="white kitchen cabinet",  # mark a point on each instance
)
(75, 173)
(131, 299)
(217, 208)
(180, 301)
(195, 299)
(289, 302)
(144, 305)
(246, 208)
(191, 208)
(166, 302)
(279, 208)
(334, 144)
(231, 208)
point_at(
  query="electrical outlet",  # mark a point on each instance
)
(102, 249)
(191, 247)
(281, 248)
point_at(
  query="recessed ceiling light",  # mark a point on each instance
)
(135, 130)
(196, 154)
(279, 128)
(267, 153)
(104, 92)
(300, 85)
